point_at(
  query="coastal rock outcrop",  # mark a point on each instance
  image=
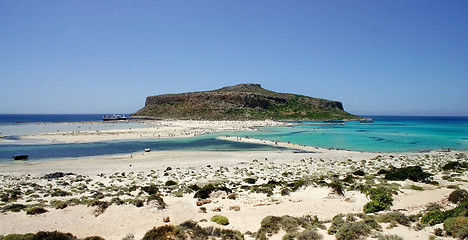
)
(241, 102)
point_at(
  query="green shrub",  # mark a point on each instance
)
(36, 210)
(194, 187)
(205, 191)
(94, 238)
(177, 194)
(382, 171)
(359, 173)
(170, 183)
(455, 225)
(138, 202)
(458, 196)
(413, 173)
(221, 220)
(417, 188)
(336, 222)
(268, 226)
(60, 193)
(53, 236)
(101, 207)
(354, 230)
(389, 237)
(158, 199)
(453, 166)
(151, 189)
(337, 187)
(57, 204)
(27, 236)
(307, 234)
(163, 232)
(395, 218)
(250, 180)
(381, 199)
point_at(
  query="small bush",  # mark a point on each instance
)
(458, 196)
(27, 236)
(53, 236)
(222, 220)
(194, 187)
(439, 232)
(57, 204)
(151, 189)
(268, 226)
(453, 166)
(204, 192)
(60, 193)
(455, 225)
(413, 173)
(336, 222)
(359, 173)
(337, 187)
(354, 230)
(382, 171)
(138, 203)
(158, 199)
(395, 218)
(381, 199)
(250, 180)
(177, 194)
(163, 232)
(16, 207)
(170, 183)
(417, 188)
(101, 207)
(389, 237)
(36, 210)
(94, 238)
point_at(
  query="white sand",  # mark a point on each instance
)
(229, 167)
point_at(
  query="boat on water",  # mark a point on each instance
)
(334, 121)
(21, 157)
(366, 120)
(114, 117)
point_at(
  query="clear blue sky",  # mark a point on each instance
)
(377, 57)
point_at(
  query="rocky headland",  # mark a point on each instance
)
(241, 102)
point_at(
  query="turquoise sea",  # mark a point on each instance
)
(386, 134)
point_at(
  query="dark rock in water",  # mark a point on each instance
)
(56, 175)
(20, 157)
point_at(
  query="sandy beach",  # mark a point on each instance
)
(302, 175)
(157, 129)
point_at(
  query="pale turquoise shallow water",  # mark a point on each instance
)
(386, 134)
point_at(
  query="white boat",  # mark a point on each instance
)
(366, 120)
(147, 149)
(114, 117)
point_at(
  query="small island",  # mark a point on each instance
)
(241, 102)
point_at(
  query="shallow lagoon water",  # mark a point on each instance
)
(72, 150)
(386, 134)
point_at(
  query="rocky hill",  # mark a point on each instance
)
(241, 102)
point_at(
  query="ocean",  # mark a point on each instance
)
(385, 134)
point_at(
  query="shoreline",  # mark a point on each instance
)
(165, 129)
(295, 181)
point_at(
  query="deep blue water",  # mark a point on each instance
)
(25, 118)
